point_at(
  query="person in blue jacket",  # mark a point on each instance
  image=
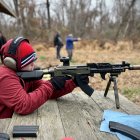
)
(69, 45)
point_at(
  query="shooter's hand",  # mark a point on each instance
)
(58, 82)
(83, 78)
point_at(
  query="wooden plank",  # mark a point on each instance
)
(93, 114)
(77, 122)
(125, 104)
(105, 102)
(4, 124)
(75, 115)
(109, 102)
(49, 121)
(30, 119)
(75, 125)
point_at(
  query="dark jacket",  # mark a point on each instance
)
(58, 40)
(2, 41)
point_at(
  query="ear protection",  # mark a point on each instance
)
(10, 59)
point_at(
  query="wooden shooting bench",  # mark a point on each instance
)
(74, 115)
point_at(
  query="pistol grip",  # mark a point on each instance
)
(85, 87)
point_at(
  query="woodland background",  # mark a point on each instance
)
(109, 29)
(88, 19)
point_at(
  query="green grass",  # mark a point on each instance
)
(131, 92)
(42, 57)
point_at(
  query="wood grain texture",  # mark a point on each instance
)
(75, 115)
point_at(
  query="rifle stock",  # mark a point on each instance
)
(60, 71)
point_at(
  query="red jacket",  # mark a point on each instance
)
(26, 97)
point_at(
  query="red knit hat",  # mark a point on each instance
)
(25, 54)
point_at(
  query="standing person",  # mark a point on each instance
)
(58, 44)
(2, 39)
(69, 45)
(24, 97)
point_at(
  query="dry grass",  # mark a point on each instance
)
(94, 52)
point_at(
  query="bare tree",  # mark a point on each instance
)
(87, 19)
(20, 22)
(125, 19)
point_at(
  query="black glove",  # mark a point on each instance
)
(83, 78)
(59, 81)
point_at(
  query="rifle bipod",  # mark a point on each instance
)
(113, 79)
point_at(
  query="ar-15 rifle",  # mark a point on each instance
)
(89, 69)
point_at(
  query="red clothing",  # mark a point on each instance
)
(26, 97)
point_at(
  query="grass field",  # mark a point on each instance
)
(86, 52)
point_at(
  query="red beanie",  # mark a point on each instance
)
(25, 54)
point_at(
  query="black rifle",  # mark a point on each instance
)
(89, 69)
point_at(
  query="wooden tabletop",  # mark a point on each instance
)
(75, 115)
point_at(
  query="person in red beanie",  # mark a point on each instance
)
(24, 97)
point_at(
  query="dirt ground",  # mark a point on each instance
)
(86, 52)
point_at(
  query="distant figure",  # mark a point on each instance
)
(58, 44)
(2, 39)
(69, 45)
